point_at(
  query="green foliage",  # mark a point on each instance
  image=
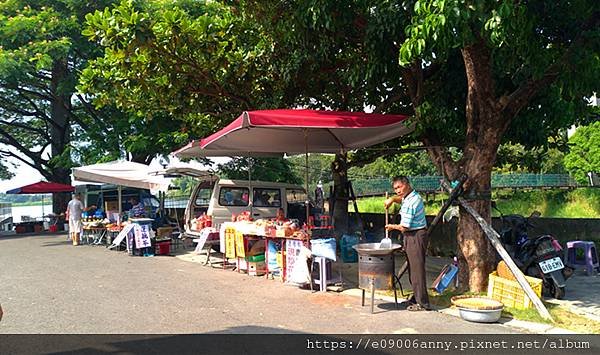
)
(579, 203)
(319, 168)
(25, 200)
(517, 158)
(42, 52)
(407, 164)
(263, 169)
(183, 185)
(5, 173)
(194, 64)
(584, 154)
(524, 40)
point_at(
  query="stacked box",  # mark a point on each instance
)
(257, 268)
(510, 293)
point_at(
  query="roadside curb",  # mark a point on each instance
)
(530, 327)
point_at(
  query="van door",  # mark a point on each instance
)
(266, 202)
(198, 202)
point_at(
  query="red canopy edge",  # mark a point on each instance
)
(42, 187)
(303, 118)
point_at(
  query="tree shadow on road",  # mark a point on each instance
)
(234, 340)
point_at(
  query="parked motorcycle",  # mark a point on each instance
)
(540, 257)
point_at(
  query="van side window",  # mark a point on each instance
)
(233, 196)
(267, 198)
(295, 195)
(203, 197)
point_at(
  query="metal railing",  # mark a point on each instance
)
(431, 184)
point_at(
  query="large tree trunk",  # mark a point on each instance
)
(60, 134)
(339, 169)
(476, 254)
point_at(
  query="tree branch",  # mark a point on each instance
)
(41, 132)
(18, 157)
(12, 141)
(511, 104)
(413, 78)
(440, 156)
(88, 107)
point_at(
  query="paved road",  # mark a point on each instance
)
(48, 286)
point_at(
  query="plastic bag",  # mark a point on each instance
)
(324, 247)
(300, 274)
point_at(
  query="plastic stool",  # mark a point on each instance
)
(590, 260)
(325, 273)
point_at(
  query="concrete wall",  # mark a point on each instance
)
(443, 239)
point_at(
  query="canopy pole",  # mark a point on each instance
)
(120, 200)
(307, 202)
(250, 191)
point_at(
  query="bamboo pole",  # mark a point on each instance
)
(494, 238)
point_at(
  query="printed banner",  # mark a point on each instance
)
(240, 249)
(142, 236)
(230, 243)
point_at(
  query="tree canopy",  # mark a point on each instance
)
(584, 153)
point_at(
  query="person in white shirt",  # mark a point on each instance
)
(74, 210)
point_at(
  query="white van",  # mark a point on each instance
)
(222, 198)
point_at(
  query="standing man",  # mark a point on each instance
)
(74, 210)
(414, 228)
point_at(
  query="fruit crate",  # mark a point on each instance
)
(510, 293)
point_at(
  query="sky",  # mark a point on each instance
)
(25, 175)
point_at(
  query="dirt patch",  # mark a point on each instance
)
(329, 299)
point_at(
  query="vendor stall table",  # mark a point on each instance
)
(99, 235)
(94, 235)
(111, 234)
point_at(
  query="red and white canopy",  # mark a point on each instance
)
(268, 132)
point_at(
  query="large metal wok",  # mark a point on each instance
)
(374, 249)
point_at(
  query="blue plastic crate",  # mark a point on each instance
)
(448, 274)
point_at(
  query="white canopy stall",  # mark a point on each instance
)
(122, 173)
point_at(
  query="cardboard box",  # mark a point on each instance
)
(284, 232)
(164, 232)
(257, 268)
(111, 205)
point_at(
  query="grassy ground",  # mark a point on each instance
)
(35, 203)
(562, 317)
(579, 203)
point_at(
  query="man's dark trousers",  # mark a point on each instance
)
(415, 245)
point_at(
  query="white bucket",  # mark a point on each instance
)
(46, 225)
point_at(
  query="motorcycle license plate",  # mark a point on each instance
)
(551, 265)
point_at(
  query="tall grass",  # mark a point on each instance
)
(579, 203)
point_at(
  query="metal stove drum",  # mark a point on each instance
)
(376, 269)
